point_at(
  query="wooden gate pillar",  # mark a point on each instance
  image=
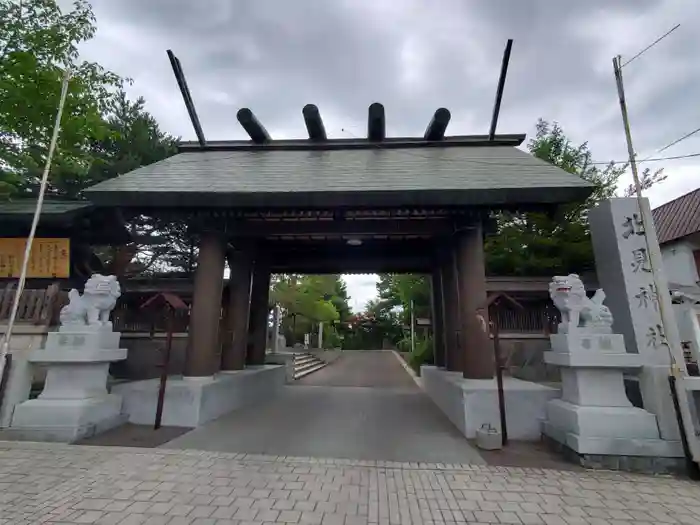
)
(203, 341)
(233, 352)
(450, 309)
(476, 345)
(259, 311)
(438, 322)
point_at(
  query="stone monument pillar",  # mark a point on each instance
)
(75, 403)
(594, 418)
(624, 251)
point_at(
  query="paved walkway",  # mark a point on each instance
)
(378, 414)
(41, 483)
(362, 369)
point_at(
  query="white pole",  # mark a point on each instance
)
(5, 348)
(413, 329)
(320, 335)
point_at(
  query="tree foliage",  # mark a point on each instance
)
(536, 243)
(103, 132)
(38, 43)
(307, 300)
(384, 318)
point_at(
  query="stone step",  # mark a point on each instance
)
(308, 365)
(305, 364)
(306, 372)
(304, 360)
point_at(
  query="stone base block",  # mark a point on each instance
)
(602, 422)
(66, 420)
(191, 402)
(608, 431)
(644, 464)
(471, 403)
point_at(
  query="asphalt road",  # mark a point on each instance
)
(362, 406)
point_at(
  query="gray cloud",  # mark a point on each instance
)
(274, 56)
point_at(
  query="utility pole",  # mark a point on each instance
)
(677, 371)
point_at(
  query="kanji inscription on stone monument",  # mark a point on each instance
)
(648, 297)
(656, 336)
(641, 260)
(633, 225)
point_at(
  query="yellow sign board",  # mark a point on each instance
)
(49, 258)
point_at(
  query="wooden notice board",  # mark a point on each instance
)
(49, 258)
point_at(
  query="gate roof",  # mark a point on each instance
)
(455, 171)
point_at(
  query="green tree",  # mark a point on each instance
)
(134, 139)
(399, 290)
(38, 43)
(544, 244)
(384, 318)
(307, 300)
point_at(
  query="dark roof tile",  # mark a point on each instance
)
(483, 171)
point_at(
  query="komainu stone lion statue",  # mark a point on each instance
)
(578, 312)
(94, 305)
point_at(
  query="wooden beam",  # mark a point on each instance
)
(499, 89)
(354, 143)
(376, 125)
(300, 228)
(438, 125)
(186, 96)
(330, 264)
(314, 123)
(256, 131)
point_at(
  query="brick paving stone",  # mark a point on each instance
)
(49, 483)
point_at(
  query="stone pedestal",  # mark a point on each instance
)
(25, 339)
(594, 415)
(193, 401)
(472, 403)
(74, 403)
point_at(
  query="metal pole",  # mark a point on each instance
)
(499, 379)
(413, 329)
(164, 371)
(656, 264)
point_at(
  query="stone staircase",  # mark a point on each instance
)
(305, 364)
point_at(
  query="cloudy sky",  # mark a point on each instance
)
(274, 56)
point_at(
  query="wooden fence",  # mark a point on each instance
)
(535, 317)
(38, 307)
(127, 319)
(41, 307)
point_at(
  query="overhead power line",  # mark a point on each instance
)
(651, 45)
(687, 135)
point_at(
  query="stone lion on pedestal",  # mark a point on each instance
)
(578, 312)
(93, 307)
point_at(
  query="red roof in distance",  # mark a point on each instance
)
(678, 218)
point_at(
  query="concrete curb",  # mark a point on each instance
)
(416, 379)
